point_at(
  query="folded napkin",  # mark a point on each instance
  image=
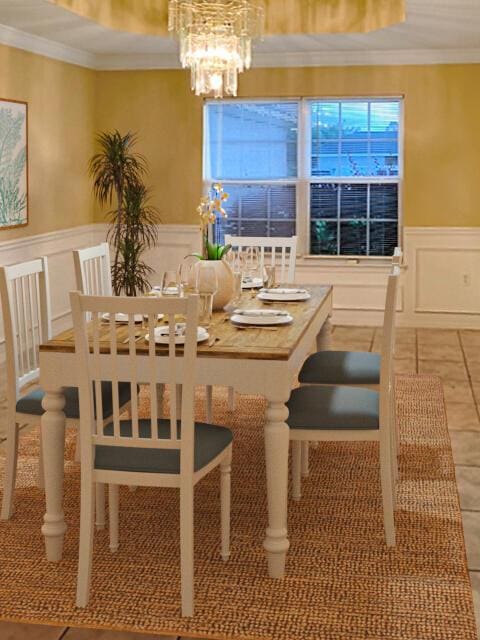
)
(283, 291)
(259, 313)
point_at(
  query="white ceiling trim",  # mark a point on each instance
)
(35, 44)
(42, 46)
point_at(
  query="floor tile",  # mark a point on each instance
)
(20, 631)
(403, 335)
(344, 344)
(446, 352)
(476, 391)
(456, 391)
(474, 371)
(468, 482)
(471, 527)
(405, 350)
(100, 634)
(470, 338)
(354, 333)
(438, 336)
(475, 582)
(466, 448)
(446, 370)
(405, 365)
(472, 354)
(462, 416)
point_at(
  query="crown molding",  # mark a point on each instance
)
(42, 46)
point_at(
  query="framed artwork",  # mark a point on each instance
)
(13, 164)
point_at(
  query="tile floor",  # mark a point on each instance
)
(453, 355)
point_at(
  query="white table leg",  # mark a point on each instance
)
(53, 440)
(276, 542)
(324, 338)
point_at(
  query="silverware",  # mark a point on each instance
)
(138, 336)
(212, 341)
(256, 327)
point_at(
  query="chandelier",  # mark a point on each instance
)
(215, 40)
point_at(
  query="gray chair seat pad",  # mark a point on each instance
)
(210, 441)
(32, 402)
(342, 408)
(341, 367)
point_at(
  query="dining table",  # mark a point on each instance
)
(255, 361)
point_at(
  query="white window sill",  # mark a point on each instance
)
(340, 262)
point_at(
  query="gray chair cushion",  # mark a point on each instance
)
(210, 441)
(32, 402)
(314, 407)
(341, 367)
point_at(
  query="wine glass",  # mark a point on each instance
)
(170, 283)
(186, 277)
(206, 284)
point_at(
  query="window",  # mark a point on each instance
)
(328, 170)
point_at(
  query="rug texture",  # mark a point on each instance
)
(342, 583)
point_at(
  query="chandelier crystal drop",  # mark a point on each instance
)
(215, 40)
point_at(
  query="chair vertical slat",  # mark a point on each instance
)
(96, 325)
(173, 376)
(152, 360)
(33, 321)
(132, 351)
(114, 376)
(262, 260)
(19, 329)
(284, 262)
(26, 323)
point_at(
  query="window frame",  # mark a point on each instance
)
(304, 178)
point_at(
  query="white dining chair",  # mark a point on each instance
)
(353, 368)
(25, 296)
(278, 252)
(344, 413)
(144, 451)
(92, 270)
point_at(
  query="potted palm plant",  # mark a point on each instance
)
(118, 172)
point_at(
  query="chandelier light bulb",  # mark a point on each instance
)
(215, 41)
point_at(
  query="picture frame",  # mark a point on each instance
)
(13, 163)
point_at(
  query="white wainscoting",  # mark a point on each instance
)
(440, 284)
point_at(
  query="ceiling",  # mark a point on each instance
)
(435, 31)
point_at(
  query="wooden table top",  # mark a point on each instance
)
(230, 342)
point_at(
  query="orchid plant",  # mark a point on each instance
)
(209, 209)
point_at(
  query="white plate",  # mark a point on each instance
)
(123, 317)
(286, 296)
(162, 336)
(261, 320)
(252, 283)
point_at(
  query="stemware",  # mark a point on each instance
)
(170, 283)
(186, 277)
(206, 286)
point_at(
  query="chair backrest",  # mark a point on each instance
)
(388, 345)
(271, 248)
(397, 257)
(92, 270)
(102, 356)
(25, 298)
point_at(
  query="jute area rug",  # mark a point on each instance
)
(341, 583)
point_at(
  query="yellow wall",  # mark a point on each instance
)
(68, 104)
(442, 129)
(60, 138)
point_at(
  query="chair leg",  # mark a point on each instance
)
(387, 490)
(305, 451)
(296, 469)
(225, 484)
(77, 446)
(10, 473)
(209, 404)
(40, 472)
(100, 505)
(186, 549)
(231, 399)
(113, 500)
(87, 516)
